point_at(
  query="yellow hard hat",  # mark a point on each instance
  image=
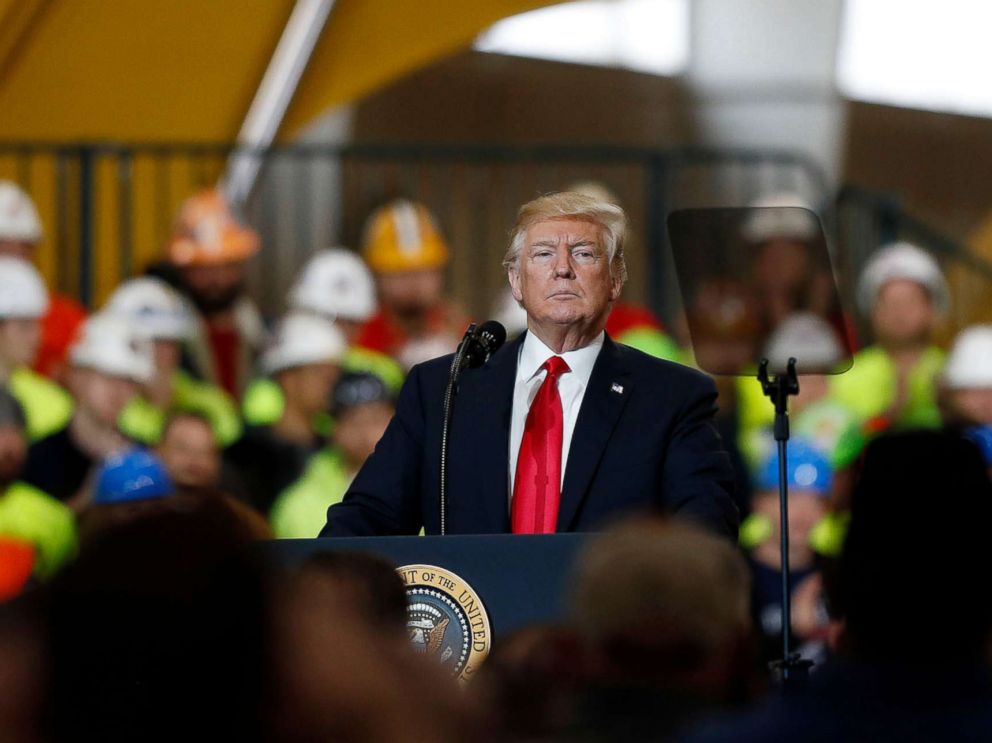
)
(207, 233)
(402, 236)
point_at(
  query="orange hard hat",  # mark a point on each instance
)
(402, 236)
(207, 233)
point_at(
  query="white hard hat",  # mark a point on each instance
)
(770, 220)
(18, 216)
(970, 362)
(335, 283)
(109, 343)
(809, 339)
(22, 290)
(300, 340)
(155, 308)
(901, 260)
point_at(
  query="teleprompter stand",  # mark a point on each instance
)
(792, 668)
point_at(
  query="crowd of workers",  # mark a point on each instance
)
(176, 391)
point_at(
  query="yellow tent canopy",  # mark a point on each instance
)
(182, 70)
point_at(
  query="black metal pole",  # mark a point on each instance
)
(87, 218)
(792, 667)
(783, 501)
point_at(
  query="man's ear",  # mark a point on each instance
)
(617, 287)
(514, 278)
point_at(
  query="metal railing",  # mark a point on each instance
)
(108, 208)
(866, 220)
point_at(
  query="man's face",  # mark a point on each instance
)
(903, 314)
(13, 452)
(215, 288)
(411, 293)
(167, 355)
(782, 264)
(350, 328)
(189, 452)
(806, 508)
(20, 338)
(309, 387)
(17, 249)
(974, 404)
(101, 395)
(358, 430)
(562, 275)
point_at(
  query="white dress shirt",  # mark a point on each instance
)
(571, 388)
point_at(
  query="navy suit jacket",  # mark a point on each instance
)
(644, 440)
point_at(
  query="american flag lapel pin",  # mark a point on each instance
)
(618, 388)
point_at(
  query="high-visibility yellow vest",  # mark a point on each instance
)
(653, 342)
(143, 421)
(300, 511)
(47, 407)
(869, 387)
(825, 538)
(263, 401)
(33, 516)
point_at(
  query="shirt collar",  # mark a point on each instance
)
(533, 353)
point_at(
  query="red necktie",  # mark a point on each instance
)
(537, 485)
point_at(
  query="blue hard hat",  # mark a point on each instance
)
(808, 469)
(133, 475)
(981, 436)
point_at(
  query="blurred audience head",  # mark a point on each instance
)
(782, 226)
(966, 381)
(362, 408)
(809, 476)
(903, 291)
(13, 439)
(534, 681)
(20, 226)
(405, 249)
(910, 583)
(211, 248)
(665, 604)
(159, 314)
(110, 361)
(337, 286)
(158, 628)
(23, 302)
(127, 486)
(344, 669)
(190, 452)
(981, 436)
(364, 585)
(132, 475)
(724, 324)
(305, 357)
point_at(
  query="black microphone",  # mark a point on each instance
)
(479, 343)
(482, 342)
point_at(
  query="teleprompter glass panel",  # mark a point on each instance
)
(758, 283)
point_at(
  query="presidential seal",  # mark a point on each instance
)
(446, 618)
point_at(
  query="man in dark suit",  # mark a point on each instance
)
(562, 429)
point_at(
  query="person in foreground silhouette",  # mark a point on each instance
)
(911, 617)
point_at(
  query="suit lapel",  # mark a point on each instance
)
(484, 405)
(602, 404)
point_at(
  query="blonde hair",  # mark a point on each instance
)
(573, 205)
